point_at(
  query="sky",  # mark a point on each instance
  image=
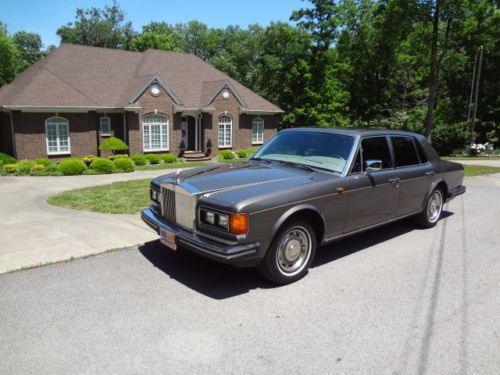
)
(46, 16)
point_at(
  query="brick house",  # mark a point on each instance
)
(156, 101)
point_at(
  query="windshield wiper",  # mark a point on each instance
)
(298, 165)
(262, 159)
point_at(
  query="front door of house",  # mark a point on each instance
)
(191, 133)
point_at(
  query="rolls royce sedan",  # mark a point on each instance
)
(304, 188)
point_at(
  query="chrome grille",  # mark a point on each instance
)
(168, 204)
(178, 205)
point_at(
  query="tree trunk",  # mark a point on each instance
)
(433, 78)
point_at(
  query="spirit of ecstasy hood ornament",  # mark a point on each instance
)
(178, 175)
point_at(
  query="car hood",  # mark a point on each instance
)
(234, 183)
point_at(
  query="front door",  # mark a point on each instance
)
(191, 133)
(373, 193)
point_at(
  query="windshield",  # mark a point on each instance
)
(316, 149)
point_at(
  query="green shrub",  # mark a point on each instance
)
(10, 168)
(23, 169)
(52, 168)
(38, 167)
(138, 159)
(118, 156)
(169, 158)
(92, 172)
(1, 164)
(251, 151)
(225, 155)
(72, 166)
(7, 159)
(113, 144)
(103, 165)
(152, 159)
(87, 159)
(26, 163)
(124, 164)
(242, 154)
(42, 161)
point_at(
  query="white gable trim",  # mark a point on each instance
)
(228, 85)
(157, 79)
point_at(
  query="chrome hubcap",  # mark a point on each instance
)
(435, 206)
(294, 251)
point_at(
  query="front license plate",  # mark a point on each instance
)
(168, 239)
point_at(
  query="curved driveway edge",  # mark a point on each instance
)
(32, 232)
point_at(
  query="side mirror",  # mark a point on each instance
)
(373, 165)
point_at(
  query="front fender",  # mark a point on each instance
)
(293, 210)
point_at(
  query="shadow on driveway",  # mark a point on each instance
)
(220, 281)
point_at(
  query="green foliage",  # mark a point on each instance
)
(23, 169)
(124, 165)
(88, 158)
(225, 155)
(42, 161)
(152, 159)
(51, 168)
(113, 144)
(7, 159)
(449, 137)
(72, 166)
(1, 164)
(92, 172)
(169, 158)
(10, 168)
(103, 165)
(99, 27)
(138, 159)
(9, 56)
(29, 46)
(241, 154)
(26, 163)
(118, 156)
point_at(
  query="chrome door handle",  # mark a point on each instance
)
(430, 173)
(394, 180)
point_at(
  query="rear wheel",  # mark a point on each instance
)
(290, 254)
(430, 215)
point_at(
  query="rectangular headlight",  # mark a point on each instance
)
(222, 221)
(154, 195)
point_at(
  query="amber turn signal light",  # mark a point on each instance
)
(238, 223)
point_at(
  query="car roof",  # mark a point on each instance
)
(353, 131)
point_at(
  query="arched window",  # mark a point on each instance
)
(155, 132)
(225, 131)
(57, 135)
(258, 131)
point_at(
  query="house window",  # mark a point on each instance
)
(105, 125)
(225, 131)
(57, 135)
(258, 131)
(155, 131)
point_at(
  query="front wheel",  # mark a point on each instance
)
(290, 254)
(430, 215)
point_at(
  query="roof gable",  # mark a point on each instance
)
(160, 82)
(225, 85)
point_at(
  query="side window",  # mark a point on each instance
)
(421, 152)
(405, 152)
(376, 148)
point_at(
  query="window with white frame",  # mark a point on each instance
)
(57, 135)
(258, 131)
(225, 131)
(105, 125)
(155, 132)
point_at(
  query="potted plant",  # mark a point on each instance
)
(182, 147)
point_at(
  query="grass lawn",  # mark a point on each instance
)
(479, 170)
(129, 197)
(126, 197)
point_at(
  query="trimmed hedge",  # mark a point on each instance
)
(26, 163)
(118, 156)
(72, 167)
(242, 154)
(152, 158)
(10, 168)
(124, 164)
(103, 165)
(7, 159)
(91, 172)
(225, 155)
(1, 164)
(42, 161)
(169, 158)
(138, 159)
(113, 144)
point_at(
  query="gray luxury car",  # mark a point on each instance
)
(304, 188)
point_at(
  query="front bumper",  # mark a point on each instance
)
(212, 249)
(456, 192)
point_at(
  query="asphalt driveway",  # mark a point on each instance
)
(34, 232)
(395, 300)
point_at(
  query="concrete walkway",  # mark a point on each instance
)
(487, 162)
(33, 232)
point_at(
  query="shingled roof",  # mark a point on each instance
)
(83, 76)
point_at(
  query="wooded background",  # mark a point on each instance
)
(399, 64)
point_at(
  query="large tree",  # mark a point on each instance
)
(29, 46)
(106, 27)
(9, 57)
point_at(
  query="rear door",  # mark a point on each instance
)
(373, 195)
(415, 173)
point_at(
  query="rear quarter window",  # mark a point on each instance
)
(405, 152)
